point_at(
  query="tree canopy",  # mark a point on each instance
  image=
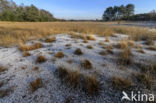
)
(118, 12)
(9, 11)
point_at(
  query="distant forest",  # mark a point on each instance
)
(127, 13)
(9, 11)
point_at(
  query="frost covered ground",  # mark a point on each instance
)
(16, 79)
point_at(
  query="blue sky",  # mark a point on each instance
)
(86, 9)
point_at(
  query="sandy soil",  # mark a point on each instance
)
(20, 73)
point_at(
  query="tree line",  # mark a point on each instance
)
(127, 13)
(118, 12)
(9, 11)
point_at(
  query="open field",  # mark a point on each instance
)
(18, 32)
(75, 62)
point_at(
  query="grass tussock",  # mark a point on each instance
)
(144, 79)
(151, 48)
(5, 92)
(90, 37)
(141, 51)
(51, 39)
(107, 39)
(59, 55)
(26, 53)
(121, 83)
(76, 79)
(35, 68)
(89, 47)
(68, 45)
(86, 64)
(23, 47)
(78, 51)
(103, 53)
(131, 43)
(34, 85)
(125, 56)
(2, 69)
(40, 59)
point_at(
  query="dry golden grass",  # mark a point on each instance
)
(152, 47)
(77, 79)
(125, 56)
(107, 39)
(121, 83)
(40, 59)
(90, 37)
(26, 53)
(23, 47)
(51, 39)
(131, 43)
(34, 85)
(86, 64)
(12, 33)
(78, 51)
(59, 55)
(141, 51)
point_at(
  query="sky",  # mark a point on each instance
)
(86, 9)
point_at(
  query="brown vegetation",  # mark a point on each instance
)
(2, 69)
(78, 51)
(77, 79)
(86, 64)
(121, 83)
(59, 55)
(40, 59)
(34, 85)
(17, 32)
(23, 47)
(26, 53)
(51, 39)
(125, 56)
(89, 47)
(144, 79)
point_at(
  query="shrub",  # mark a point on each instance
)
(40, 59)
(59, 55)
(86, 64)
(34, 85)
(78, 51)
(26, 53)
